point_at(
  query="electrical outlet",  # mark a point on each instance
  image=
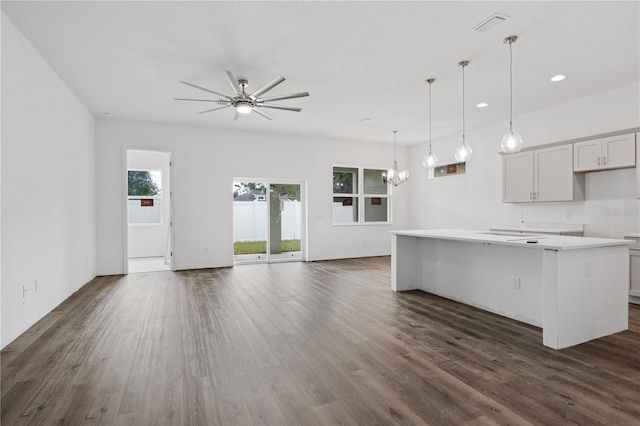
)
(521, 217)
(439, 266)
(206, 249)
(568, 217)
(516, 284)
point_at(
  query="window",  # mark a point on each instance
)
(144, 196)
(359, 196)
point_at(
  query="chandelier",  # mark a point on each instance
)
(393, 175)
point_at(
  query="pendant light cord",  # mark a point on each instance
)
(429, 117)
(394, 145)
(463, 127)
(510, 88)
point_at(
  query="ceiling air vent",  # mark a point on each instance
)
(490, 22)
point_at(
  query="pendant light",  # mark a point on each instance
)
(393, 176)
(463, 152)
(430, 160)
(512, 141)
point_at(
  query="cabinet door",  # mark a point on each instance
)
(619, 151)
(553, 173)
(517, 177)
(634, 273)
(587, 155)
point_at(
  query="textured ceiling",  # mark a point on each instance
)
(357, 59)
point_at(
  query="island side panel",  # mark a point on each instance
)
(404, 263)
(501, 279)
(587, 298)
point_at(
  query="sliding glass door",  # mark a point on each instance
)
(268, 222)
(285, 221)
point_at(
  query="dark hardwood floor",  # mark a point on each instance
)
(303, 344)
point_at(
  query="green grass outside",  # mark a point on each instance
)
(253, 247)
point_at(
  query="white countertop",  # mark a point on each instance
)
(552, 242)
(632, 235)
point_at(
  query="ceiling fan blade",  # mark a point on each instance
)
(201, 100)
(279, 79)
(206, 90)
(283, 97)
(280, 107)
(233, 81)
(214, 109)
(236, 116)
(264, 114)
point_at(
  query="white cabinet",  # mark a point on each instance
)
(634, 266)
(608, 153)
(634, 273)
(517, 177)
(541, 175)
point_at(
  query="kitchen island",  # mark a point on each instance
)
(574, 288)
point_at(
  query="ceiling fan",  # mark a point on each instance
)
(244, 102)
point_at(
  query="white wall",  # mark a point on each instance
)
(149, 240)
(473, 200)
(48, 176)
(204, 163)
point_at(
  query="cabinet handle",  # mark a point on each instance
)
(598, 160)
(604, 160)
(531, 195)
(535, 195)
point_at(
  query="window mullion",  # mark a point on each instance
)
(360, 195)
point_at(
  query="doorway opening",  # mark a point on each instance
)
(268, 221)
(148, 211)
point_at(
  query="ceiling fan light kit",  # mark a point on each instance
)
(243, 102)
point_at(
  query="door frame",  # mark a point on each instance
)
(304, 245)
(125, 205)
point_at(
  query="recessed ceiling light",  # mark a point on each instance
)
(107, 114)
(482, 105)
(558, 77)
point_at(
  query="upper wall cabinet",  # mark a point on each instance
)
(517, 177)
(609, 153)
(541, 175)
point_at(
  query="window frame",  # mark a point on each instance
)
(361, 197)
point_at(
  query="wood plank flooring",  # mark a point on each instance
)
(303, 344)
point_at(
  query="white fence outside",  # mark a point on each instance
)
(250, 220)
(145, 214)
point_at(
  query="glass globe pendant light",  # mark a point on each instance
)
(430, 160)
(463, 152)
(512, 141)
